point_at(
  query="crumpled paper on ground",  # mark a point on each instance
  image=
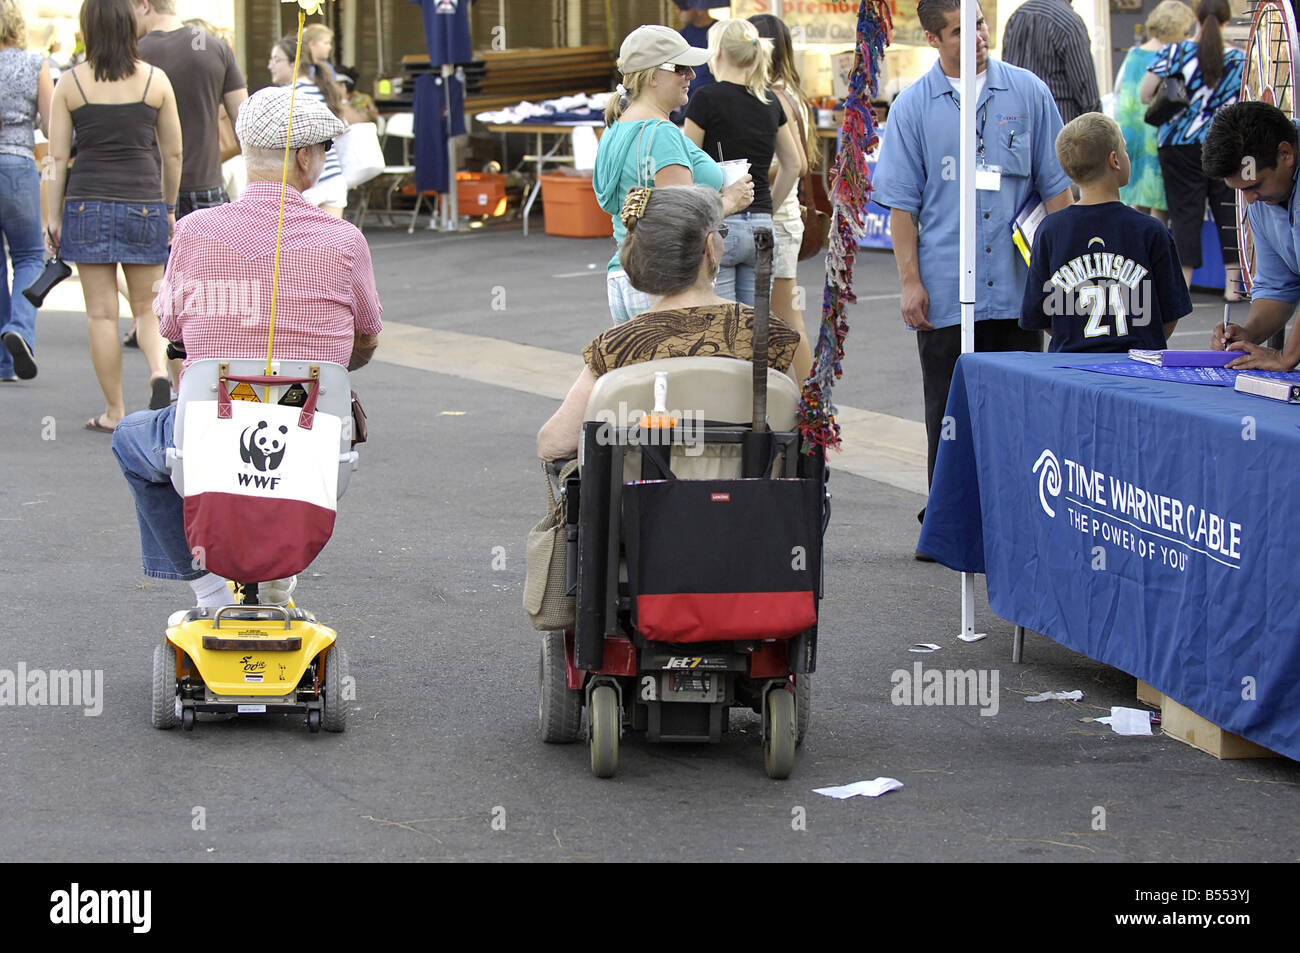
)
(873, 788)
(1073, 696)
(1128, 721)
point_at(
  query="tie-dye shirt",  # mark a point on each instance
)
(1189, 127)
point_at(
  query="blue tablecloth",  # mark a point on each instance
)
(1146, 524)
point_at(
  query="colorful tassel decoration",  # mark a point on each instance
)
(850, 195)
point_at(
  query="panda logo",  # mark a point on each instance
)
(263, 447)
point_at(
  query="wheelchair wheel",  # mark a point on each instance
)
(802, 705)
(163, 715)
(603, 717)
(781, 728)
(335, 716)
(559, 708)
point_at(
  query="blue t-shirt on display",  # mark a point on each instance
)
(446, 30)
(1103, 278)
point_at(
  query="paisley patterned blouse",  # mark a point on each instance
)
(720, 330)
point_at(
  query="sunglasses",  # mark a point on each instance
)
(679, 69)
(723, 230)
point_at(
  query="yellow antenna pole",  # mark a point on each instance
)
(284, 182)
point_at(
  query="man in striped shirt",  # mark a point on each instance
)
(1050, 40)
(216, 297)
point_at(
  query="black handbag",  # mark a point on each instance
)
(1170, 100)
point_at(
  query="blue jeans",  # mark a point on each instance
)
(735, 281)
(20, 220)
(140, 444)
(196, 199)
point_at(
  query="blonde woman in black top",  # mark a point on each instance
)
(737, 117)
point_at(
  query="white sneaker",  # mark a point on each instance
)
(277, 592)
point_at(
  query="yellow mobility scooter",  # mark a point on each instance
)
(260, 461)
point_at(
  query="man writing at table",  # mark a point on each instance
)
(1253, 147)
(1016, 124)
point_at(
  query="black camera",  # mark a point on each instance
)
(55, 271)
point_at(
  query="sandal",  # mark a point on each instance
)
(130, 339)
(97, 424)
(160, 393)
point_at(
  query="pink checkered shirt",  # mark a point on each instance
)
(216, 292)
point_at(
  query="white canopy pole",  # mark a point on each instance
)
(966, 257)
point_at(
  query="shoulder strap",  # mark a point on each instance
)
(640, 164)
(146, 84)
(798, 118)
(79, 89)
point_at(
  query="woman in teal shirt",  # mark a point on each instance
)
(641, 146)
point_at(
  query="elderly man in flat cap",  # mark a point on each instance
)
(216, 297)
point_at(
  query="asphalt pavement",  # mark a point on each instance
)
(423, 579)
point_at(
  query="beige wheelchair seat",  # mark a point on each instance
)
(199, 383)
(714, 389)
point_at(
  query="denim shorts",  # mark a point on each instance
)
(105, 233)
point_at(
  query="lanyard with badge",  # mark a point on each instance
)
(988, 178)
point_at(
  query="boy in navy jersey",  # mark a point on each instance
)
(1102, 276)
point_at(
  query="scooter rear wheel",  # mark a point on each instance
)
(559, 708)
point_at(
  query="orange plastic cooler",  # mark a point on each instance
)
(569, 208)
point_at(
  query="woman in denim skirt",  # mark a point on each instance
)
(739, 118)
(116, 205)
(25, 89)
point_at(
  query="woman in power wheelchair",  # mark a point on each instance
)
(692, 541)
(672, 251)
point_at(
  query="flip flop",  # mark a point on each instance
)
(97, 424)
(160, 393)
(130, 340)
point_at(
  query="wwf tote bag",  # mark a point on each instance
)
(261, 481)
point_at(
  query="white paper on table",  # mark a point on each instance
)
(1073, 696)
(873, 788)
(1128, 721)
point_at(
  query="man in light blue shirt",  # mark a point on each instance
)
(1253, 147)
(917, 178)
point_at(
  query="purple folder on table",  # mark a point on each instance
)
(1172, 358)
